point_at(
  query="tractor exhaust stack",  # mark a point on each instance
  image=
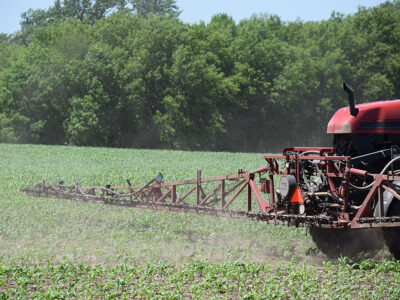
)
(349, 91)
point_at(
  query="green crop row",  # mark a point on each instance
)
(199, 280)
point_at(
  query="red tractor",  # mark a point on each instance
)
(349, 194)
(370, 135)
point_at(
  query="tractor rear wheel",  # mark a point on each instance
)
(392, 235)
(336, 243)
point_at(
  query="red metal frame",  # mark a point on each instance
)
(217, 196)
(326, 159)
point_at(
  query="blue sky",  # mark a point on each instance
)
(195, 11)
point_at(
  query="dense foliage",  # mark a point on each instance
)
(131, 74)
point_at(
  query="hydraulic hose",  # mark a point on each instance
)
(363, 188)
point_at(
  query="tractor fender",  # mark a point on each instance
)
(387, 200)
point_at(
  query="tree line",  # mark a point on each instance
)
(131, 74)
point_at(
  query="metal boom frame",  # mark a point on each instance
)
(160, 195)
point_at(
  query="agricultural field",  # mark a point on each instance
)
(53, 248)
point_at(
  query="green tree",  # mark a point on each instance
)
(156, 7)
(260, 58)
(93, 86)
(32, 96)
(149, 47)
(7, 134)
(82, 10)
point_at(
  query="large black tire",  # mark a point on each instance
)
(336, 243)
(392, 235)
